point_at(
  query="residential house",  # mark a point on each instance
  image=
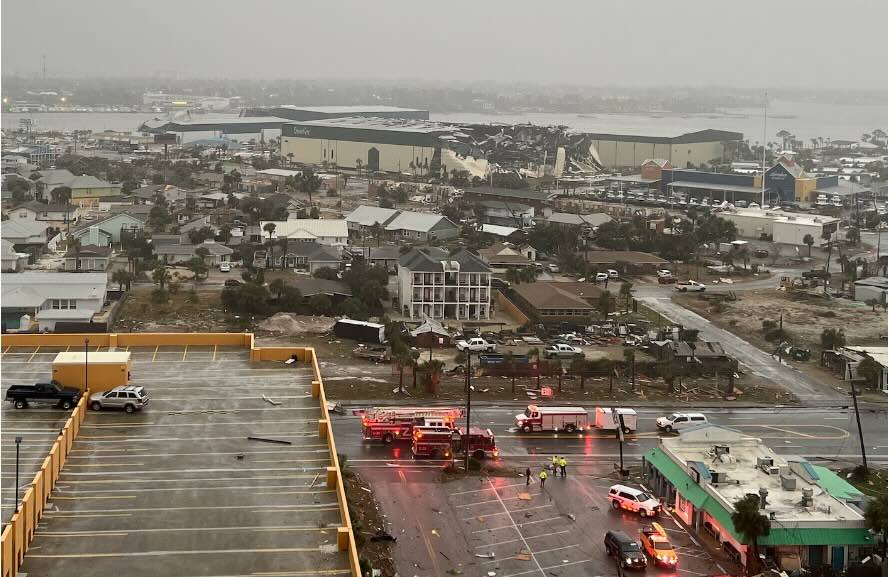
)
(51, 297)
(431, 334)
(87, 190)
(14, 164)
(500, 256)
(421, 227)
(108, 203)
(88, 258)
(12, 261)
(338, 291)
(846, 361)
(623, 260)
(37, 154)
(197, 223)
(330, 232)
(550, 301)
(504, 233)
(214, 199)
(576, 221)
(182, 253)
(692, 358)
(110, 230)
(815, 515)
(26, 236)
(871, 288)
(533, 198)
(439, 285)
(360, 221)
(52, 178)
(506, 213)
(51, 215)
(307, 256)
(172, 194)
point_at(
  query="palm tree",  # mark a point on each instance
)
(74, 246)
(629, 357)
(161, 276)
(377, 231)
(751, 524)
(404, 358)
(277, 287)
(432, 370)
(358, 164)
(808, 240)
(122, 277)
(876, 518)
(269, 228)
(626, 293)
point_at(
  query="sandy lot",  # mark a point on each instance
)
(804, 316)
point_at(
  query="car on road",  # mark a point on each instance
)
(224, 267)
(664, 273)
(21, 396)
(690, 286)
(760, 253)
(679, 421)
(553, 268)
(601, 276)
(666, 280)
(625, 549)
(656, 544)
(635, 500)
(476, 345)
(562, 350)
(612, 274)
(129, 398)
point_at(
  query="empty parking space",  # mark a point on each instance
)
(181, 489)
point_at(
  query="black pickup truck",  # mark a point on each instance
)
(22, 395)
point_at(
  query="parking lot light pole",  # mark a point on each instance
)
(86, 364)
(18, 443)
(468, 406)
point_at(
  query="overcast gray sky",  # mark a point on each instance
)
(818, 43)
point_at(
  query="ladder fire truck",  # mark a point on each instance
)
(445, 442)
(397, 423)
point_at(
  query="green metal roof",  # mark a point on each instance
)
(835, 485)
(778, 536)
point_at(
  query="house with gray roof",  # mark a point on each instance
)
(421, 226)
(54, 215)
(362, 219)
(26, 236)
(182, 253)
(88, 258)
(109, 230)
(12, 261)
(307, 256)
(50, 297)
(434, 283)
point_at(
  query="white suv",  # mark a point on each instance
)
(623, 497)
(679, 421)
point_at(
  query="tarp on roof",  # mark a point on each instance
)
(835, 485)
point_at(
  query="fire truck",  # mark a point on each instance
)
(444, 442)
(389, 424)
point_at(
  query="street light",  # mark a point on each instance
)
(18, 443)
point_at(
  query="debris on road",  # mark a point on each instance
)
(383, 535)
(489, 555)
(523, 555)
(270, 401)
(525, 496)
(266, 440)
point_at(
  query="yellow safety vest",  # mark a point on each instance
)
(564, 462)
(543, 474)
(555, 460)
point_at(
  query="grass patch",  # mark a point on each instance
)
(875, 484)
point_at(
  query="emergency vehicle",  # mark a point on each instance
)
(389, 423)
(656, 544)
(444, 443)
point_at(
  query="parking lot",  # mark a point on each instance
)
(481, 524)
(179, 489)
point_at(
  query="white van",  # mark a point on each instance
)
(623, 497)
(679, 421)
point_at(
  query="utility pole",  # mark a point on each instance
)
(859, 429)
(86, 364)
(467, 436)
(18, 442)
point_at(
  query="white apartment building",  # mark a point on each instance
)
(434, 283)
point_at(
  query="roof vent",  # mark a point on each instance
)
(788, 482)
(763, 498)
(807, 497)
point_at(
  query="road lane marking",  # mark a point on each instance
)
(506, 512)
(498, 543)
(33, 354)
(184, 353)
(517, 530)
(514, 525)
(154, 356)
(535, 552)
(544, 569)
(215, 349)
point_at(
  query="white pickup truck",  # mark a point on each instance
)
(562, 350)
(476, 345)
(690, 286)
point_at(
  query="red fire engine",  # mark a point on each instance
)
(444, 442)
(389, 423)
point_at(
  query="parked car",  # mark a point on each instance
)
(232, 282)
(53, 392)
(679, 421)
(666, 279)
(129, 398)
(612, 274)
(476, 345)
(626, 549)
(664, 273)
(655, 543)
(224, 267)
(554, 268)
(562, 350)
(760, 253)
(601, 276)
(623, 497)
(690, 286)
